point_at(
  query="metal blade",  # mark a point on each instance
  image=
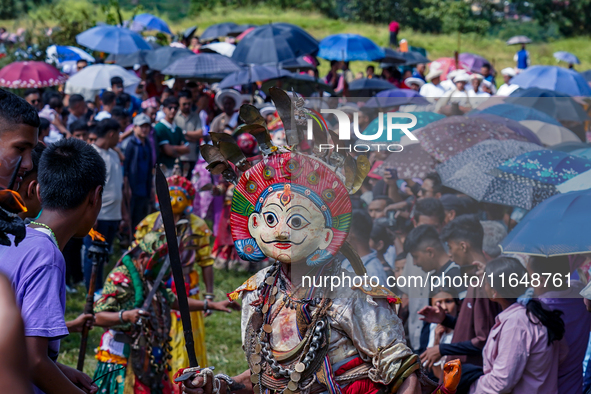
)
(175, 263)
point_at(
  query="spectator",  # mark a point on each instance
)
(108, 100)
(453, 207)
(119, 114)
(494, 233)
(33, 97)
(419, 72)
(414, 83)
(77, 108)
(432, 186)
(81, 64)
(524, 349)
(137, 170)
(486, 72)
(117, 85)
(170, 137)
(433, 89)
(190, 122)
(564, 296)
(52, 112)
(507, 88)
(359, 237)
(44, 127)
(28, 187)
(229, 101)
(370, 72)
(394, 27)
(377, 208)
(429, 211)
(109, 218)
(381, 238)
(79, 129)
(521, 58)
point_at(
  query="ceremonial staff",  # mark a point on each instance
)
(99, 254)
(162, 192)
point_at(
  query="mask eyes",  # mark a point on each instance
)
(270, 219)
(297, 222)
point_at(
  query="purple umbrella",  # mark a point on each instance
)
(396, 97)
(513, 125)
(475, 62)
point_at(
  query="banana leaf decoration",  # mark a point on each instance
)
(218, 164)
(363, 168)
(231, 151)
(284, 109)
(351, 255)
(251, 115)
(263, 138)
(350, 170)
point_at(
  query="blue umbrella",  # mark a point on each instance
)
(274, 43)
(566, 57)
(396, 97)
(161, 58)
(61, 53)
(558, 226)
(587, 75)
(219, 30)
(558, 105)
(368, 87)
(516, 112)
(546, 166)
(151, 22)
(112, 39)
(252, 75)
(553, 78)
(348, 47)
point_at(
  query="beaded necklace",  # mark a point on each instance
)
(51, 233)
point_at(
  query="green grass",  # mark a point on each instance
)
(223, 342)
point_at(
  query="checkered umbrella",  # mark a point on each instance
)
(209, 66)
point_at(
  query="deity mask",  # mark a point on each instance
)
(182, 194)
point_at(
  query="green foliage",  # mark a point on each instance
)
(444, 16)
(571, 17)
(533, 30)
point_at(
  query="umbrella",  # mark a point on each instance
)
(518, 40)
(161, 58)
(516, 112)
(60, 53)
(587, 75)
(98, 76)
(546, 166)
(251, 75)
(566, 57)
(244, 33)
(454, 134)
(223, 48)
(304, 84)
(130, 59)
(112, 39)
(349, 47)
(446, 65)
(512, 125)
(392, 57)
(413, 58)
(553, 78)
(20, 75)
(151, 22)
(240, 29)
(474, 62)
(558, 105)
(423, 119)
(365, 87)
(550, 134)
(207, 66)
(580, 182)
(467, 172)
(396, 97)
(189, 32)
(585, 152)
(412, 162)
(558, 226)
(219, 30)
(301, 63)
(273, 43)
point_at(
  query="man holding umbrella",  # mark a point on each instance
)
(522, 58)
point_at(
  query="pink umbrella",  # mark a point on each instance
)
(244, 33)
(474, 62)
(30, 75)
(447, 64)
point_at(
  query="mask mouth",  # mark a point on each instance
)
(282, 242)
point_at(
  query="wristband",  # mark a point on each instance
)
(210, 296)
(121, 316)
(206, 305)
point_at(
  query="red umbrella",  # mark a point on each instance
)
(30, 75)
(447, 65)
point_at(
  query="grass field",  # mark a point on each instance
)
(223, 342)
(319, 26)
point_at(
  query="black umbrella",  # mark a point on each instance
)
(161, 58)
(274, 43)
(587, 75)
(219, 30)
(297, 64)
(130, 59)
(203, 66)
(235, 32)
(558, 105)
(253, 74)
(303, 84)
(410, 59)
(365, 87)
(189, 32)
(392, 57)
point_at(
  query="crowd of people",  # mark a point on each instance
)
(89, 164)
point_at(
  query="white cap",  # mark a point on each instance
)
(413, 80)
(508, 71)
(477, 76)
(487, 83)
(461, 76)
(433, 73)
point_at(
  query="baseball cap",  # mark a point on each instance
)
(141, 119)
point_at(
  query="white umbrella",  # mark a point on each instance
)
(550, 134)
(580, 182)
(99, 76)
(223, 48)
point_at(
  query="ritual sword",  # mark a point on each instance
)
(162, 192)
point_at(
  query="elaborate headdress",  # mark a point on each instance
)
(182, 184)
(314, 174)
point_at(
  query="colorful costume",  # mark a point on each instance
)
(182, 194)
(295, 209)
(142, 349)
